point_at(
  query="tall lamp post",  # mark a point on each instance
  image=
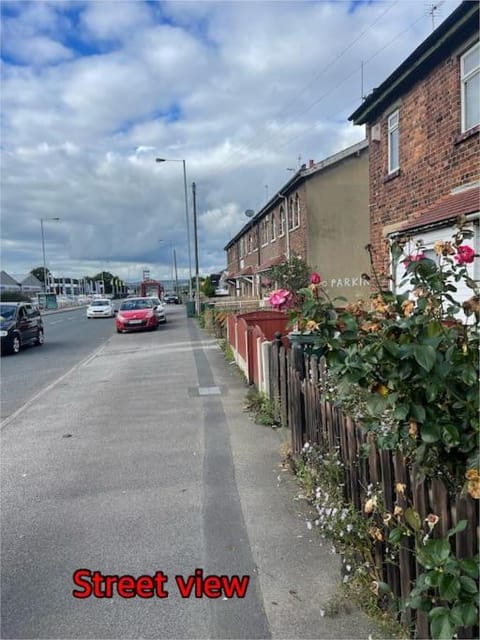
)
(42, 220)
(187, 220)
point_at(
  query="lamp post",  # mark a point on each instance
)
(187, 219)
(42, 220)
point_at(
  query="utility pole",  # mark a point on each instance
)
(195, 234)
(175, 267)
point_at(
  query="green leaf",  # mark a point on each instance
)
(431, 432)
(425, 356)
(413, 519)
(450, 435)
(469, 614)
(441, 628)
(449, 587)
(468, 584)
(401, 411)
(417, 412)
(395, 535)
(460, 526)
(469, 566)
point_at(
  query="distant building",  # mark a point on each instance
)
(7, 283)
(29, 283)
(321, 215)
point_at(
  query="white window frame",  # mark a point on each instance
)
(465, 78)
(428, 239)
(282, 221)
(296, 212)
(264, 232)
(290, 221)
(273, 228)
(393, 129)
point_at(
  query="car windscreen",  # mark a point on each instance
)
(134, 305)
(100, 303)
(7, 311)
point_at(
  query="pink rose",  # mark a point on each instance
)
(315, 278)
(413, 258)
(465, 254)
(281, 298)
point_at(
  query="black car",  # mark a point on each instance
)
(172, 298)
(20, 324)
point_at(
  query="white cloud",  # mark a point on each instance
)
(91, 95)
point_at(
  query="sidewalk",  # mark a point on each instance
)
(142, 459)
(297, 572)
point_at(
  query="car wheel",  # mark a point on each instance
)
(119, 330)
(15, 348)
(40, 339)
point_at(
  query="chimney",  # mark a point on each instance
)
(311, 163)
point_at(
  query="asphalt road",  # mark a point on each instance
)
(69, 338)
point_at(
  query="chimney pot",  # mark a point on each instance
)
(311, 163)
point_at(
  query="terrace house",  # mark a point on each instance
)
(423, 127)
(321, 215)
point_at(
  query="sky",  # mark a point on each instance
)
(92, 92)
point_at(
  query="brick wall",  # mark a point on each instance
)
(434, 156)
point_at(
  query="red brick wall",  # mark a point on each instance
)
(434, 156)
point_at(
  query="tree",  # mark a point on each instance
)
(39, 273)
(294, 274)
(207, 287)
(106, 277)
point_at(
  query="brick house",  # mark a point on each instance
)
(423, 129)
(321, 215)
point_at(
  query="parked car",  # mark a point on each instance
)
(101, 308)
(159, 309)
(20, 324)
(172, 298)
(136, 313)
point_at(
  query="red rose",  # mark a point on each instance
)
(315, 278)
(465, 254)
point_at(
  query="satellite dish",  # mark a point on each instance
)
(249, 213)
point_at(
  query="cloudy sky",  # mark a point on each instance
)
(94, 91)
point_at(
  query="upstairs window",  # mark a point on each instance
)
(296, 211)
(282, 221)
(291, 224)
(393, 143)
(470, 76)
(274, 228)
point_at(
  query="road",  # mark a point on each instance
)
(69, 338)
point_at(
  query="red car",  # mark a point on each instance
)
(135, 314)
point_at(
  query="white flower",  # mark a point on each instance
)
(309, 525)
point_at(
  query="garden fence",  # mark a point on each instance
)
(299, 405)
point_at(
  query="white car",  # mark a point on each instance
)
(159, 309)
(101, 308)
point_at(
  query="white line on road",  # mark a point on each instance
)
(49, 387)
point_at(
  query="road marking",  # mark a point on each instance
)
(52, 385)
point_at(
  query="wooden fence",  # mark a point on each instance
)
(298, 403)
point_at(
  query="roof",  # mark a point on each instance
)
(8, 281)
(452, 32)
(453, 205)
(28, 279)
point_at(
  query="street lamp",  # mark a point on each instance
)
(187, 219)
(42, 220)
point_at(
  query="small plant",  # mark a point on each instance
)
(259, 404)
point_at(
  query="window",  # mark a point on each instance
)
(282, 221)
(393, 146)
(273, 228)
(470, 75)
(264, 231)
(296, 211)
(290, 214)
